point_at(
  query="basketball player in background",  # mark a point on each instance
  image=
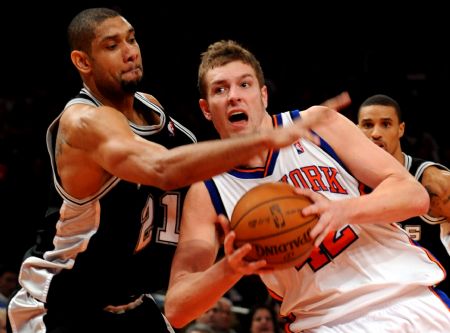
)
(366, 276)
(121, 165)
(380, 119)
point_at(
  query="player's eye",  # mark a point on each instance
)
(219, 90)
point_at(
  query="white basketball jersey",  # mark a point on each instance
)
(360, 265)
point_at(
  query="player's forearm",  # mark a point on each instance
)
(445, 235)
(188, 164)
(437, 183)
(195, 293)
(439, 206)
(393, 200)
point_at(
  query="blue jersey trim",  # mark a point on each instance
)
(215, 197)
(443, 296)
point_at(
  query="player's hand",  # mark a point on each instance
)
(235, 257)
(314, 116)
(329, 220)
(338, 102)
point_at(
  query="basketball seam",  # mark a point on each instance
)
(279, 233)
(260, 204)
(282, 262)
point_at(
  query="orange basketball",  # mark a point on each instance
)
(269, 216)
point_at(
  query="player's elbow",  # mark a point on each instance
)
(167, 177)
(421, 200)
(175, 315)
(168, 182)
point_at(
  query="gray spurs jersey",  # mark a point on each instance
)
(111, 246)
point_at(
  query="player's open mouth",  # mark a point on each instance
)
(380, 144)
(238, 116)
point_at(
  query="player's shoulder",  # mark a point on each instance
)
(151, 98)
(80, 111)
(419, 167)
(200, 188)
(434, 171)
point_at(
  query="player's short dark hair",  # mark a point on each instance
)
(384, 100)
(81, 30)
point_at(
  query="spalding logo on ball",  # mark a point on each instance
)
(269, 216)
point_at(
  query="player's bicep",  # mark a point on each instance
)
(94, 130)
(199, 216)
(104, 134)
(197, 247)
(110, 144)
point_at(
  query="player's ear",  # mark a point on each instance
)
(205, 108)
(401, 129)
(265, 96)
(80, 60)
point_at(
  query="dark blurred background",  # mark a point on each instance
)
(309, 52)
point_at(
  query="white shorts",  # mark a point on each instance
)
(416, 313)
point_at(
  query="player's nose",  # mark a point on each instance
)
(234, 93)
(376, 132)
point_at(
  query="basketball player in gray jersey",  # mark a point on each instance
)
(380, 119)
(120, 165)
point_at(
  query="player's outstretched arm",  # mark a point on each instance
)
(121, 153)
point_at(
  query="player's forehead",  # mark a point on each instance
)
(377, 113)
(232, 71)
(112, 28)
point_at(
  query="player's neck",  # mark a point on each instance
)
(399, 156)
(258, 161)
(123, 102)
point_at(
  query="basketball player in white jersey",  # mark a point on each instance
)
(380, 119)
(366, 275)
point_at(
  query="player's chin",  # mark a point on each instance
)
(134, 75)
(131, 86)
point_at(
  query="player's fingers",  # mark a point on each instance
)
(318, 230)
(259, 266)
(224, 223)
(240, 265)
(338, 102)
(228, 244)
(300, 130)
(306, 133)
(313, 209)
(235, 254)
(240, 253)
(319, 239)
(316, 198)
(253, 267)
(320, 236)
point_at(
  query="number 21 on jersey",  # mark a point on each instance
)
(169, 232)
